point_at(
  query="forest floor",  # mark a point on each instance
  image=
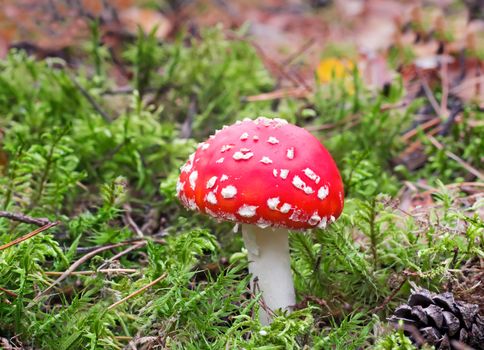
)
(101, 103)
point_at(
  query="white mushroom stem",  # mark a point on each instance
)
(270, 266)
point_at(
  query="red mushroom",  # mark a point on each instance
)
(270, 176)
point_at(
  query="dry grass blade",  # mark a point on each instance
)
(163, 276)
(130, 222)
(74, 266)
(424, 126)
(92, 272)
(278, 94)
(124, 252)
(29, 235)
(453, 156)
(429, 94)
(8, 292)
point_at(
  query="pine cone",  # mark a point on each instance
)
(441, 320)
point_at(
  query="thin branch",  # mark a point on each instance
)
(424, 126)
(153, 238)
(129, 220)
(306, 46)
(29, 235)
(388, 298)
(429, 94)
(90, 99)
(278, 94)
(74, 266)
(8, 292)
(92, 272)
(24, 218)
(453, 156)
(163, 276)
(124, 252)
(445, 89)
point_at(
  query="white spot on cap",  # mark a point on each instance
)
(265, 121)
(284, 173)
(245, 150)
(220, 160)
(312, 175)
(211, 182)
(247, 211)
(204, 146)
(266, 160)
(280, 121)
(211, 198)
(323, 223)
(332, 218)
(300, 184)
(314, 219)
(224, 177)
(290, 153)
(179, 187)
(272, 140)
(211, 213)
(229, 216)
(188, 165)
(184, 200)
(193, 179)
(229, 192)
(244, 136)
(272, 203)
(225, 148)
(308, 190)
(285, 208)
(255, 138)
(239, 155)
(295, 216)
(323, 192)
(192, 205)
(274, 172)
(247, 120)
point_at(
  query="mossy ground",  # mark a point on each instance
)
(103, 162)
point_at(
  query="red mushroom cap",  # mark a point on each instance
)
(265, 172)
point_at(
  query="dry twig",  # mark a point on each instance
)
(128, 219)
(124, 252)
(29, 235)
(389, 298)
(73, 267)
(24, 218)
(453, 156)
(163, 276)
(92, 272)
(278, 94)
(8, 292)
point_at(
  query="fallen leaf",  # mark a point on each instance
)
(147, 20)
(330, 69)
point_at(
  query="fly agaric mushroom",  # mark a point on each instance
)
(272, 177)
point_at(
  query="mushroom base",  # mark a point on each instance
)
(270, 266)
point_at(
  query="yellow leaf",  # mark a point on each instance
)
(333, 69)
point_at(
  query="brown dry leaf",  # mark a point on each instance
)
(375, 70)
(147, 20)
